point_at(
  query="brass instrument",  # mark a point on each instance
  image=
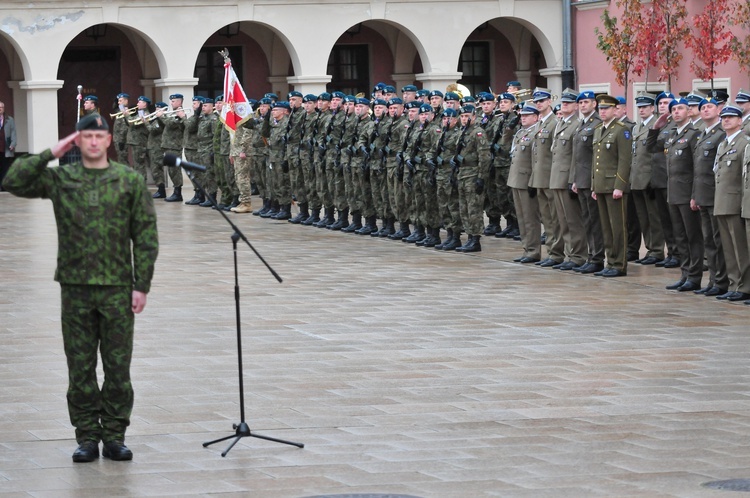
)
(120, 114)
(524, 94)
(458, 88)
(150, 117)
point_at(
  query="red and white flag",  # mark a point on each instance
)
(236, 108)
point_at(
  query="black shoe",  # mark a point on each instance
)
(567, 265)
(264, 209)
(207, 201)
(540, 263)
(161, 192)
(527, 259)
(672, 263)
(613, 272)
(472, 245)
(675, 285)
(579, 269)
(197, 199)
(739, 296)
(593, 268)
(452, 244)
(726, 295)
(492, 228)
(116, 450)
(649, 260)
(689, 286)
(601, 272)
(633, 257)
(715, 291)
(176, 195)
(660, 264)
(549, 263)
(87, 451)
(403, 232)
(703, 290)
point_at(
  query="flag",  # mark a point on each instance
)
(236, 108)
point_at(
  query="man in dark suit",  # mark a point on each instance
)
(7, 142)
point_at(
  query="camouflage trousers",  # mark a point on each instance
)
(471, 205)
(350, 191)
(307, 171)
(122, 153)
(362, 188)
(193, 156)
(140, 160)
(413, 184)
(297, 177)
(230, 183)
(431, 216)
(321, 183)
(243, 177)
(156, 157)
(447, 197)
(335, 177)
(260, 174)
(499, 195)
(379, 185)
(98, 318)
(396, 193)
(218, 176)
(281, 188)
(208, 178)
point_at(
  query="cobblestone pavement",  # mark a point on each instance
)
(403, 370)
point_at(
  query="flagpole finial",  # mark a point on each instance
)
(225, 53)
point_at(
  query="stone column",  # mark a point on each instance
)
(438, 81)
(309, 84)
(403, 79)
(554, 79)
(165, 87)
(41, 107)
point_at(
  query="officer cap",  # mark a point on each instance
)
(695, 98)
(173, 96)
(436, 93)
(506, 96)
(644, 100)
(145, 99)
(719, 95)
(91, 98)
(424, 108)
(380, 102)
(680, 101)
(514, 83)
(338, 95)
(395, 101)
(607, 101)
(528, 108)
(378, 87)
(389, 89)
(742, 97)
(541, 94)
(309, 98)
(663, 95)
(362, 101)
(325, 96)
(294, 93)
(271, 96)
(708, 101)
(423, 93)
(161, 104)
(265, 100)
(198, 98)
(586, 95)
(468, 109)
(450, 96)
(450, 113)
(409, 88)
(730, 110)
(412, 105)
(621, 100)
(125, 96)
(568, 95)
(206, 100)
(92, 122)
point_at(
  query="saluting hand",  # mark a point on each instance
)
(64, 145)
(659, 123)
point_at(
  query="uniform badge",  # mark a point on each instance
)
(93, 198)
(678, 152)
(523, 147)
(706, 153)
(627, 135)
(643, 142)
(584, 138)
(608, 146)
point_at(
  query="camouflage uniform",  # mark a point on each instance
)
(426, 174)
(295, 128)
(120, 138)
(399, 129)
(334, 165)
(155, 152)
(205, 137)
(447, 190)
(190, 145)
(99, 214)
(472, 177)
(348, 166)
(307, 165)
(324, 125)
(138, 140)
(171, 142)
(278, 167)
(224, 170)
(360, 198)
(378, 178)
(243, 166)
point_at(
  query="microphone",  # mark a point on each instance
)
(172, 160)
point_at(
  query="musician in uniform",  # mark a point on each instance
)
(120, 128)
(171, 141)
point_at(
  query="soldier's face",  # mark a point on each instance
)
(745, 106)
(336, 102)
(488, 106)
(323, 105)
(452, 104)
(93, 144)
(413, 113)
(664, 106)
(395, 111)
(219, 105)
(607, 113)
(587, 106)
(466, 119)
(309, 106)
(425, 117)
(295, 101)
(506, 105)
(644, 112)
(207, 108)
(263, 108)
(543, 105)
(89, 105)
(379, 110)
(693, 111)
(620, 111)
(361, 109)
(568, 108)
(142, 105)
(529, 120)
(731, 124)
(176, 103)
(409, 96)
(122, 101)
(436, 101)
(196, 105)
(277, 113)
(709, 112)
(680, 113)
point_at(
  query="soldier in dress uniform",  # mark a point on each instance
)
(659, 184)
(621, 112)
(742, 100)
(694, 100)
(120, 128)
(634, 229)
(613, 151)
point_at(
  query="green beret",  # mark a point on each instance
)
(92, 122)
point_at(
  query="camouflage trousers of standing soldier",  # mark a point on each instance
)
(98, 318)
(335, 176)
(175, 174)
(209, 176)
(362, 188)
(307, 175)
(447, 195)
(396, 192)
(350, 192)
(243, 177)
(431, 207)
(321, 182)
(471, 205)
(413, 184)
(193, 156)
(122, 153)
(296, 177)
(140, 160)
(504, 193)
(219, 181)
(281, 189)
(260, 175)
(379, 185)
(229, 180)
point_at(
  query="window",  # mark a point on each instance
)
(475, 66)
(209, 69)
(349, 67)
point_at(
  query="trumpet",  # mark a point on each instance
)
(120, 114)
(150, 117)
(523, 94)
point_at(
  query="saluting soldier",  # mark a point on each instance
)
(610, 184)
(171, 141)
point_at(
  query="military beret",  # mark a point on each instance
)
(644, 100)
(293, 93)
(719, 95)
(742, 97)
(680, 101)
(350, 98)
(708, 101)
(219, 98)
(450, 113)
(621, 100)
(378, 87)
(325, 96)
(506, 96)
(309, 98)
(198, 98)
(161, 104)
(568, 95)
(125, 96)
(468, 109)
(389, 89)
(436, 93)
(541, 94)
(409, 88)
(145, 99)
(91, 98)
(338, 95)
(252, 102)
(730, 110)
(586, 95)
(557, 108)
(206, 100)
(663, 95)
(266, 101)
(414, 104)
(395, 101)
(529, 108)
(271, 96)
(362, 101)
(424, 108)
(514, 83)
(423, 93)
(380, 102)
(451, 96)
(176, 96)
(92, 122)
(468, 100)
(282, 104)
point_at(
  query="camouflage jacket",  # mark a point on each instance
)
(99, 214)
(205, 136)
(155, 131)
(174, 131)
(120, 130)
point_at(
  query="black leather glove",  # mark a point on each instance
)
(285, 166)
(532, 192)
(479, 186)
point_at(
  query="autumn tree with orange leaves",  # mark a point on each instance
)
(616, 40)
(710, 40)
(740, 47)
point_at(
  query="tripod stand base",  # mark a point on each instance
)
(243, 430)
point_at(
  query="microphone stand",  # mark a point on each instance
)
(241, 429)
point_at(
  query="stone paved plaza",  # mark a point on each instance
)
(403, 370)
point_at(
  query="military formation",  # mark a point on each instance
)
(578, 178)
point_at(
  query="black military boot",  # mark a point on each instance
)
(453, 243)
(356, 223)
(285, 213)
(262, 210)
(493, 227)
(418, 235)
(235, 202)
(427, 238)
(302, 215)
(449, 235)
(434, 238)
(328, 219)
(197, 198)
(207, 202)
(176, 195)
(343, 220)
(403, 232)
(389, 228)
(272, 211)
(376, 233)
(161, 192)
(313, 218)
(472, 245)
(369, 227)
(221, 204)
